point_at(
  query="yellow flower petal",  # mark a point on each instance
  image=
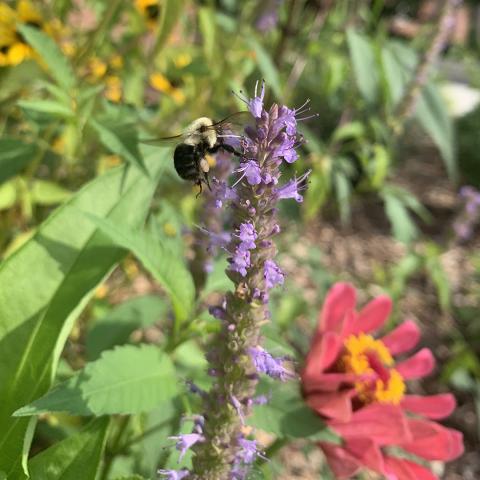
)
(182, 60)
(27, 13)
(160, 82)
(18, 53)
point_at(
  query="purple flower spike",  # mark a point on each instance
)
(273, 275)
(186, 441)
(271, 366)
(241, 261)
(255, 105)
(174, 474)
(251, 170)
(249, 450)
(292, 188)
(247, 236)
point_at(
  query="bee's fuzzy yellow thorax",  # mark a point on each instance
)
(194, 136)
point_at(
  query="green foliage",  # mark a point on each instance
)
(58, 66)
(286, 416)
(14, 155)
(76, 457)
(116, 327)
(169, 270)
(129, 379)
(45, 286)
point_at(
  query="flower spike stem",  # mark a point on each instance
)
(236, 358)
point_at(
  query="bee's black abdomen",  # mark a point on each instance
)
(185, 161)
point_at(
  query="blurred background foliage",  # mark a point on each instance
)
(396, 88)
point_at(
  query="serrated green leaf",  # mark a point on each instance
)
(14, 155)
(122, 140)
(75, 457)
(115, 328)
(51, 107)
(266, 66)
(364, 65)
(129, 379)
(167, 268)
(46, 283)
(47, 193)
(287, 416)
(57, 63)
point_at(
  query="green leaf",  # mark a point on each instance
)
(57, 63)
(48, 193)
(14, 155)
(403, 227)
(51, 107)
(167, 268)
(348, 130)
(364, 64)
(129, 379)
(46, 283)
(75, 457)
(170, 14)
(122, 140)
(432, 114)
(157, 425)
(206, 19)
(342, 193)
(116, 327)
(131, 477)
(398, 63)
(287, 416)
(266, 66)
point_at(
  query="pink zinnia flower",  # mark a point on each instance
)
(351, 379)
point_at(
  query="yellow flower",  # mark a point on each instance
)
(13, 47)
(161, 83)
(116, 62)
(97, 68)
(113, 88)
(177, 95)
(182, 60)
(150, 9)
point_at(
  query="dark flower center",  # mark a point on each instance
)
(152, 12)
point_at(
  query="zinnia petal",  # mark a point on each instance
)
(417, 366)
(323, 352)
(432, 441)
(402, 338)
(384, 424)
(334, 405)
(342, 463)
(406, 470)
(340, 299)
(433, 406)
(373, 315)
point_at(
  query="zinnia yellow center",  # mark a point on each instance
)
(372, 360)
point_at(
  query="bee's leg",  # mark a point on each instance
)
(199, 183)
(207, 181)
(227, 148)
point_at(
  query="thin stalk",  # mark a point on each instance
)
(99, 33)
(443, 28)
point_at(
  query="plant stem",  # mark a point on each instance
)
(406, 107)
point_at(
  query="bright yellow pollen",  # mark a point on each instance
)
(357, 359)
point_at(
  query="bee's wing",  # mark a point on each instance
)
(163, 141)
(233, 125)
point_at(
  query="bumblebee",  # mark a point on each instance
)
(203, 136)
